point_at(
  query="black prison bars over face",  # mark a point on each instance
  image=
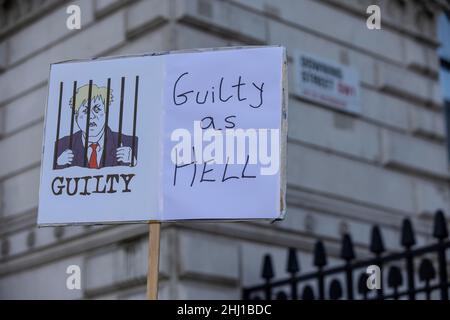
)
(107, 107)
(72, 117)
(133, 146)
(122, 93)
(88, 120)
(58, 124)
(105, 136)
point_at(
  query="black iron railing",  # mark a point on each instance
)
(411, 274)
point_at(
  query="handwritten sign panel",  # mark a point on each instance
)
(180, 136)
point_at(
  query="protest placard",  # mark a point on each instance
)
(181, 136)
(198, 135)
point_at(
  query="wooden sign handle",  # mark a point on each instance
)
(153, 260)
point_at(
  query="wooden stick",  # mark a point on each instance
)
(153, 260)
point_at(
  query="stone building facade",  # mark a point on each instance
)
(345, 172)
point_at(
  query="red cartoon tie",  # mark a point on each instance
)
(93, 160)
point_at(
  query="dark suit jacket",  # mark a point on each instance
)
(109, 151)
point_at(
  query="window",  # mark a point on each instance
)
(444, 54)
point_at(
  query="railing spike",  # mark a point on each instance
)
(395, 278)
(308, 293)
(440, 226)
(320, 257)
(281, 295)
(408, 239)
(426, 270)
(267, 269)
(376, 242)
(362, 283)
(335, 290)
(292, 263)
(347, 251)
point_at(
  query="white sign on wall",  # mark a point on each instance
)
(327, 82)
(179, 136)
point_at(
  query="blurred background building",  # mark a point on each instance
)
(346, 171)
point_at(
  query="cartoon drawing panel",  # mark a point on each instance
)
(90, 108)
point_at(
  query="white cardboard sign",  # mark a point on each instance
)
(327, 82)
(178, 136)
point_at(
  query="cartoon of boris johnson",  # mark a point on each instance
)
(103, 149)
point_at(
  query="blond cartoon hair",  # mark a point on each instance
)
(82, 95)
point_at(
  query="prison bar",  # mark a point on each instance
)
(88, 120)
(58, 124)
(136, 89)
(122, 92)
(72, 117)
(105, 135)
